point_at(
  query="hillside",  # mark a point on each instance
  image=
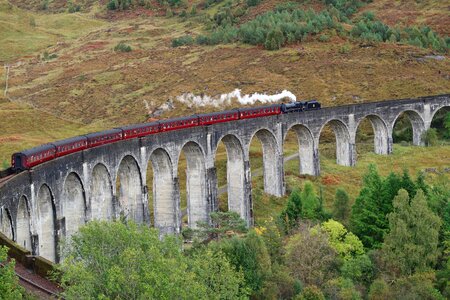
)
(64, 70)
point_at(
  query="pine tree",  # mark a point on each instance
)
(368, 218)
(412, 243)
(310, 202)
(341, 208)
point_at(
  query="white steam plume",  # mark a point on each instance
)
(225, 99)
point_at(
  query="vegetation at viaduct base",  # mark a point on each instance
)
(394, 245)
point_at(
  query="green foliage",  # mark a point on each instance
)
(417, 286)
(250, 255)
(73, 8)
(324, 38)
(430, 137)
(341, 288)
(310, 258)
(370, 30)
(183, 40)
(46, 56)
(379, 290)
(368, 213)
(223, 223)
(311, 208)
(345, 49)
(293, 211)
(5, 164)
(44, 4)
(368, 219)
(253, 2)
(341, 206)
(218, 276)
(359, 269)
(9, 282)
(412, 242)
(274, 40)
(127, 261)
(447, 125)
(311, 292)
(122, 47)
(119, 4)
(346, 244)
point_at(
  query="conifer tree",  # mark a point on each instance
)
(412, 243)
(310, 202)
(341, 208)
(368, 218)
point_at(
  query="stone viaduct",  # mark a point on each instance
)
(41, 206)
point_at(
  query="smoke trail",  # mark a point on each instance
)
(225, 99)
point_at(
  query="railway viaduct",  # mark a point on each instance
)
(41, 206)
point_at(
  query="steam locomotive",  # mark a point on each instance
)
(29, 158)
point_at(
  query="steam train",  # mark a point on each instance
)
(29, 158)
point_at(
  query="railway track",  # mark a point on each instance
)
(34, 287)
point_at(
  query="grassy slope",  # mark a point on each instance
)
(90, 87)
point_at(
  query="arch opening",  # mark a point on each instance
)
(305, 148)
(235, 174)
(266, 141)
(193, 169)
(102, 207)
(73, 204)
(129, 190)
(408, 127)
(23, 224)
(46, 226)
(334, 142)
(372, 135)
(440, 122)
(6, 223)
(164, 201)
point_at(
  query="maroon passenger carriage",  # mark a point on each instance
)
(29, 158)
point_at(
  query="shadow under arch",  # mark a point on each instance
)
(6, 223)
(197, 203)
(343, 146)
(73, 204)
(270, 161)
(46, 214)
(129, 190)
(417, 123)
(165, 205)
(381, 133)
(101, 202)
(305, 148)
(23, 223)
(235, 174)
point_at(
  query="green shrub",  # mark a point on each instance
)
(253, 2)
(73, 8)
(184, 40)
(122, 47)
(324, 38)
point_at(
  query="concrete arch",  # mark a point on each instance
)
(197, 202)
(381, 133)
(102, 206)
(73, 204)
(271, 155)
(417, 123)
(235, 174)
(344, 151)
(305, 148)
(23, 224)
(165, 206)
(6, 223)
(46, 216)
(129, 192)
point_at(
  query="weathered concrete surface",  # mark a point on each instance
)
(42, 206)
